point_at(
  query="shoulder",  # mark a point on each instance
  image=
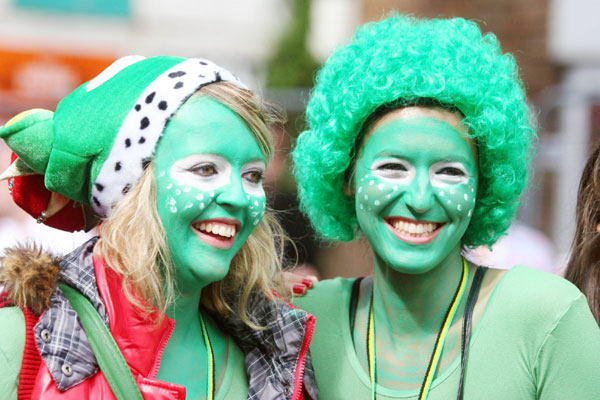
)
(12, 332)
(325, 293)
(534, 299)
(539, 287)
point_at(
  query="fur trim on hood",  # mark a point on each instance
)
(29, 276)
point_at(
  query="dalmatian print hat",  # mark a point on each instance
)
(95, 147)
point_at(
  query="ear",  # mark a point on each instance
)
(348, 185)
(348, 188)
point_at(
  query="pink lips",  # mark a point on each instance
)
(423, 238)
(213, 239)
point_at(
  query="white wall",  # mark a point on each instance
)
(574, 31)
(238, 34)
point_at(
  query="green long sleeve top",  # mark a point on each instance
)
(534, 337)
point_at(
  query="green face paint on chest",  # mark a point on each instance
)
(208, 170)
(415, 191)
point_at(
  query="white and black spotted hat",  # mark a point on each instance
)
(98, 142)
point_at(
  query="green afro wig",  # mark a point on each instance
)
(403, 61)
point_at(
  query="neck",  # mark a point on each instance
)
(185, 307)
(414, 304)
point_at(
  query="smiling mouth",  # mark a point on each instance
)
(413, 231)
(219, 233)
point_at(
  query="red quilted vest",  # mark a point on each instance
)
(140, 341)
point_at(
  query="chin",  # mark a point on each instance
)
(413, 265)
(214, 274)
(413, 269)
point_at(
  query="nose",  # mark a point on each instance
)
(233, 194)
(419, 196)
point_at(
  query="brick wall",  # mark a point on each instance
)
(520, 26)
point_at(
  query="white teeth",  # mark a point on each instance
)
(414, 229)
(221, 229)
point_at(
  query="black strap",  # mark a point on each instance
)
(353, 304)
(466, 328)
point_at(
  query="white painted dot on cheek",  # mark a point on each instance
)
(466, 196)
(177, 192)
(188, 206)
(187, 189)
(212, 194)
(173, 209)
(451, 190)
(256, 203)
(169, 186)
(395, 188)
(388, 196)
(380, 186)
(361, 206)
(161, 174)
(377, 202)
(469, 213)
(200, 197)
(171, 201)
(371, 182)
(442, 193)
(360, 189)
(202, 206)
(448, 202)
(366, 197)
(459, 207)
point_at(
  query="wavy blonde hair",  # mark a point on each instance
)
(132, 239)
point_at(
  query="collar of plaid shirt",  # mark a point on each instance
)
(277, 360)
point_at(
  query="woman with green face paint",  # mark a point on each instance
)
(419, 139)
(178, 288)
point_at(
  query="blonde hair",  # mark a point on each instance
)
(132, 239)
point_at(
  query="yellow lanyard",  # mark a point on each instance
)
(439, 343)
(210, 390)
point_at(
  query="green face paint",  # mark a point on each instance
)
(208, 170)
(415, 190)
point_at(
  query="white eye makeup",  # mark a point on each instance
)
(203, 171)
(252, 176)
(393, 169)
(448, 173)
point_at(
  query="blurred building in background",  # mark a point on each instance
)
(49, 47)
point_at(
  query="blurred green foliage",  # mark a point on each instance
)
(292, 65)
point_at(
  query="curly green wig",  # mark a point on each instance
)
(403, 61)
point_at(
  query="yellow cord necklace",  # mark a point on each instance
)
(210, 373)
(439, 343)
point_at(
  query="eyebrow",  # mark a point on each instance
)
(459, 158)
(389, 154)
